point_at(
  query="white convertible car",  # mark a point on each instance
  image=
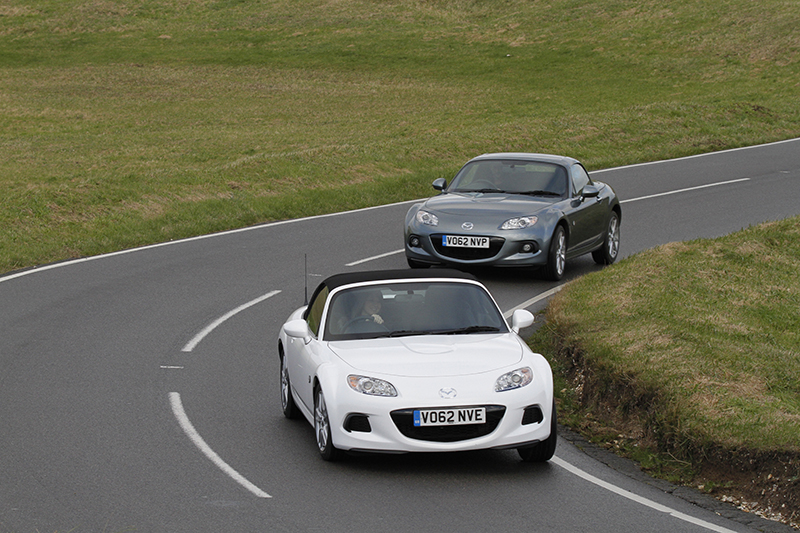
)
(414, 361)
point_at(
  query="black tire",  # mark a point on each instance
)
(416, 264)
(557, 255)
(610, 250)
(290, 409)
(543, 451)
(322, 429)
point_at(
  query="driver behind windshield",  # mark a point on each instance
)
(371, 307)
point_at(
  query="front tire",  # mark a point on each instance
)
(290, 409)
(543, 451)
(557, 255)
(322, 429)
(416, 264)
(610, 250)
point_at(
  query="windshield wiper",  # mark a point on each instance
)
(486, 190)
(540, 193)
(470, 329)
(406, 333)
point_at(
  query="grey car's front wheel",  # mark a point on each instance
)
(322, 429)
(610, 250)
(557, 255)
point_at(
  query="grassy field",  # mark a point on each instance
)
(692, 363)
(135, 121)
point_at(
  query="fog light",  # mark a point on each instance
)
(529, 248)
(414, 241)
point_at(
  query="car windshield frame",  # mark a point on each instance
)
(511, 176)
(412, 308)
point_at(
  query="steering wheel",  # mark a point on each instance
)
(483, 184)
(364, 319)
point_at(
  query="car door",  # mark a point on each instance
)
(303, 354)
(585, 216)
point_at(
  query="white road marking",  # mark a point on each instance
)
(194, 436)
(683, 190)
(638, 499)
(535, 299)
(381, 256)
(696, 156)
(208, 329)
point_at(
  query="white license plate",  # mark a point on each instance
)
(459, 241)
(450, 417)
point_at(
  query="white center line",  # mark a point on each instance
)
(683, 190)
(208, 329)
(381, 256)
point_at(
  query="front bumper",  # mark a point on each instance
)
(384, 424)
(514, 250)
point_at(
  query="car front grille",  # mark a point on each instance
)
(466, 254)
(404, 420)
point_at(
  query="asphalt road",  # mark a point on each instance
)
(139, 390)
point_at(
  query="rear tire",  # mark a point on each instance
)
(543, 451)
(610, 250)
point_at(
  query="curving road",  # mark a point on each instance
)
(139, 390)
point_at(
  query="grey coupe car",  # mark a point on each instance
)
(515, 209)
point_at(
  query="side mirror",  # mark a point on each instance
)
(298, 329)
(590, 191)
(440, 184)
(522, 318)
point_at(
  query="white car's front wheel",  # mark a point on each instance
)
(288, 406)
(322, 429)
(544, 450)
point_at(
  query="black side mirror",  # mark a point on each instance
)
(440, 184)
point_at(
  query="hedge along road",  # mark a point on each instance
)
(94, 373)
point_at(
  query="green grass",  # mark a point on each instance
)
(130, 122)
(691, 364)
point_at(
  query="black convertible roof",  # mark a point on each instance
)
(337, 280)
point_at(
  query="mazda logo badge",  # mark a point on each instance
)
(467, 225)
(448, 393)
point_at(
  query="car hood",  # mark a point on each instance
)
(486, 204)
(430, 355)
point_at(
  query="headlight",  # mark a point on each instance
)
(371, 386)
(429, 219)
(519, 223)
(514, 380)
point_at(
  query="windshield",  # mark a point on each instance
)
(516, 177)
(407, 309)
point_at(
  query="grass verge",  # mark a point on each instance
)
(691, 364)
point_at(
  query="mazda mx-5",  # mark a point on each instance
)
(515, 209)
(414, 361)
